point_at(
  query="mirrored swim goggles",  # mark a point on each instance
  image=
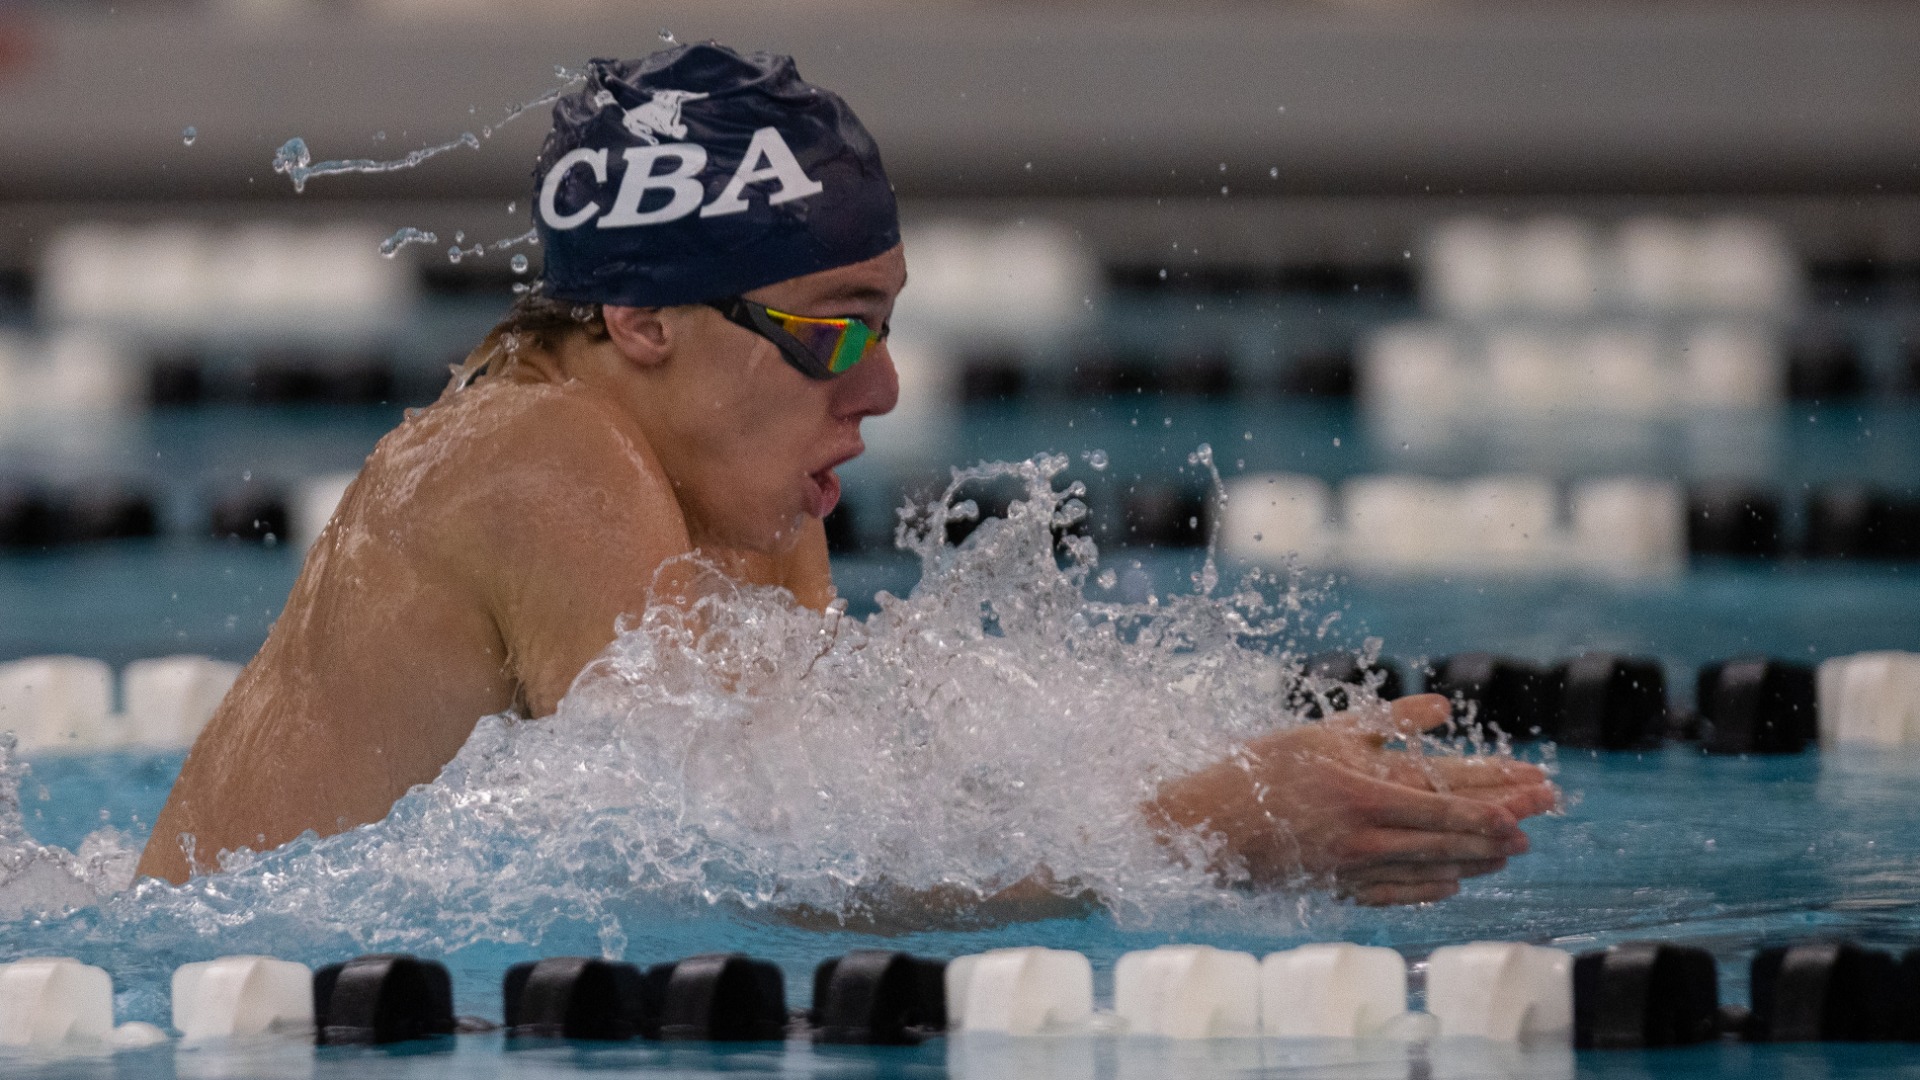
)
(818, 348)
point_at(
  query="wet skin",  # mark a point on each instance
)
(493, 540)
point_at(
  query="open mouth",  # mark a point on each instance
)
(823, 493)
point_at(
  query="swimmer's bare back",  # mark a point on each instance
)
(479, 562)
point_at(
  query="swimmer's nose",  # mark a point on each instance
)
(872, 388)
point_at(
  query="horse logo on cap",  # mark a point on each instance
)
(659, 116)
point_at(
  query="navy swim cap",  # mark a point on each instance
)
(696, 174)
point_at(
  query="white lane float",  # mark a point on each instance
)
(1504, 991)
(1188, 992)
(51, 1001)
(242, 995)
(1023, 991)
(170, 698)
(58, 703)
(1869, 699)
(1332, 990)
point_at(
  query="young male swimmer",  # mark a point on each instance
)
(722, 259)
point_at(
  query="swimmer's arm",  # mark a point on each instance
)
(890, 910)
(1327, 804)
(565, 540)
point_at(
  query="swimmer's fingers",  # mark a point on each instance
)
(1398, 719)
(1372, 847)
(1396, 806)
(1520, 800)
(1461, 773)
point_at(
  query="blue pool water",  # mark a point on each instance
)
(1725, 853)
(1728, 854)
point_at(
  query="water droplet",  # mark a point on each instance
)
(1223, 166)
(454, 253)
(519, 264)
(391, 245)
(1029, 166)
(1247, 435)
(1097, 459)
(1336, 442)
(666, 36)
(379, 136)
(512, 205)
(1223, 189)
(293, 159)
(459, 236)
(187, 136)
(1163, 273)
(1274, 172)
(246, 475)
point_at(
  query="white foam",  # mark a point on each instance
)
(1188, 992)
(1332, 990)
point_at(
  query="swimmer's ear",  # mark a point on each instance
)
(640, 333)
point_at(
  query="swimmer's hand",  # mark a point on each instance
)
(1331, 803)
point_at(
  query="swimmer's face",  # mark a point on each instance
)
(751, 443)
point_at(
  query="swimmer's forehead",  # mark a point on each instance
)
(873, 283)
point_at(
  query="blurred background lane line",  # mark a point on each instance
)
(1547, 326)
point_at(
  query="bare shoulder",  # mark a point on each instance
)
(503, 456)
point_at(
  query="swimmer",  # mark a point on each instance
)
(722, 257)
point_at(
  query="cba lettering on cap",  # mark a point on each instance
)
(698, 173)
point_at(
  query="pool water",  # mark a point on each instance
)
(1725, 853)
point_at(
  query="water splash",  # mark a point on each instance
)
(391, 245)
(38, 879)
(295, 161)
(772, 761)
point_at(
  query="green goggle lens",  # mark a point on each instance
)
(842, 343)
